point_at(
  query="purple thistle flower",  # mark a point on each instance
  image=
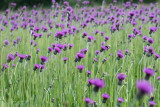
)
(36, 66)
(13, 65)
(97, 52)
(149, 72)
(70, 46)
(88, 73)
(57, 50)
(157, 56)
(90, 82)
(145, 38)
(158, 78)
(120, 55)
(127, 52)
(150, 51)
(37, 51)
(80, 68)
(104, 60)
(84, 34)
(144, 87)
(90, 38)
(152, 30)
(28, 57)
(150, 41)
(103, 48)
(42, 68)
(121, 77)
(106, 38)
(5, 66)
(6, 42)
(87, 100)
(10, 57)
(120, 100)
(152, 103)
(50, 49)
(98, 83)
(105, 97)
(44, 59)
(65, 59)
(21, 57)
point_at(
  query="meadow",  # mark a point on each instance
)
(106, 56)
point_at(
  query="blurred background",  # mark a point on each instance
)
(47, 3)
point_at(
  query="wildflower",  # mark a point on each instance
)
(157, 56)
(120, 100)
(6, 42)
(106, 38)
(43, 59)
(10, 57)
(37, 51)
(120, 55)
(150, 41)
(87, 100)
(65, 59)
(90, 82)
(70, 46)
(80, 68)
(144, 87)
(21, 57)
(105, 97)
(50, 49)
(152, 103)
(57, 50)
(149, 72)
(5, 66)
(88, 73)
(121, 77)
(28, 57)
(42, 68)
(104, 60)
(98, 83)
(36, 66)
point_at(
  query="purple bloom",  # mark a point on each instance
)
(149, 72)
(119, 55)
(150, 41)
(50, 49)
(13, 65)
(80, 68)
(36, 66)
(90, 82)
(57, 50)
(65, 59)
(43, 59)
(21, 57)
(10, 57)
(98, 83)
(90, 38)
(152, 29)
(145, 38)
(121, 77)
(70, 46)
(6, 42)
(158, 78)
(87, 100)
(88, 73)
(5, 66)
(97, 52)
(144, 87)
(105, 97)
(152, 103)
(120, 100)
(42, 68)
(106, 38)
(157, 56)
